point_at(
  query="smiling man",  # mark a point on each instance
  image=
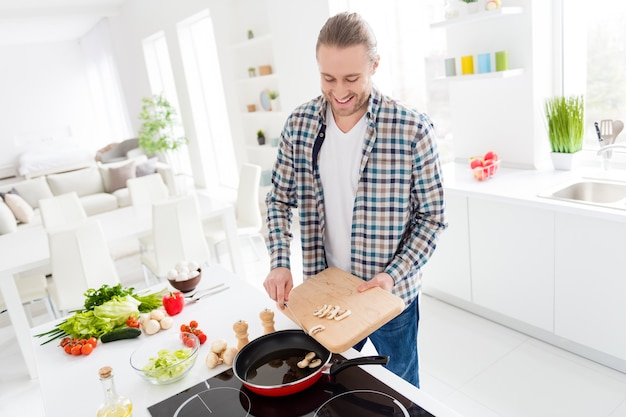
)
(364, 173)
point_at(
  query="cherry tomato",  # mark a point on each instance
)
(76, 350)
(86, 349)
(93, 341)
(202, 337)
(68, 348)
(193, 324)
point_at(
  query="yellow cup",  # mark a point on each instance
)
(467, 64)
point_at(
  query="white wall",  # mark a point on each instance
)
(43, 93)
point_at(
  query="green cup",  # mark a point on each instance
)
(502, 61)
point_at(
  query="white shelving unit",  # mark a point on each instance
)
(478, 17)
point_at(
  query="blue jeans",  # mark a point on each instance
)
(398, 340)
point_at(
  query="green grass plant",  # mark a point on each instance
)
(566, 123)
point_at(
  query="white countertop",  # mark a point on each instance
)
(70, 384)
(522, 186)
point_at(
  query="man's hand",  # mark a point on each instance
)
(382, 280)
(278, 285)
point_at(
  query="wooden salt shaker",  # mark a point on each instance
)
(267, 320)
(241, 333)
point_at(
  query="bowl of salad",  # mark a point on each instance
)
(167, 363)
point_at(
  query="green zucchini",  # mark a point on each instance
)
(120, 334)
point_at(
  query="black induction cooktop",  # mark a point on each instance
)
(351, 392)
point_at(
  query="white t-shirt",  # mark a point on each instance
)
(339, 162)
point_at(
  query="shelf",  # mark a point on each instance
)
(257, 79)
(478, 16)
(256, 41)
(485, 76)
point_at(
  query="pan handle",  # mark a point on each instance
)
(364, 360)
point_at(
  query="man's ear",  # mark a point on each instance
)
(375, 66)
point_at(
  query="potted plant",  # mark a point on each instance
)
(260, 137)
(250, 34)
(158, 132)
(252, 72)
(472, 5)
(565, 117)
(273, 95)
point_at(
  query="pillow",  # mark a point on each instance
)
(83, 182)
(11, 191)
(8, 224)
(33, 190)
(147, 168)
(20, 208)
(118, 176)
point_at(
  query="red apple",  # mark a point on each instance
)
(491, 155)
(476, 162)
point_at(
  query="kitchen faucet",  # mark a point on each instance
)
(606, 153)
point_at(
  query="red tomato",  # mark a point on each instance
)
(86, 349)
(491, 155)
(193, 324)
(202, 337)
(76, 350)
(476, 162)
(93, 341)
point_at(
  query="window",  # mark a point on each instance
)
(161, 81)
(208, 103)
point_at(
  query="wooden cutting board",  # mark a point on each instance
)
(370, 309)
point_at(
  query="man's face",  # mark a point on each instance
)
(346, 78)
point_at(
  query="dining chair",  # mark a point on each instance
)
(177, 236)
(144, 191)
(247, 212)
(31, 288)
(61, 210)
(80, 260)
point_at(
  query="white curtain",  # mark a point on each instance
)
(104, 82)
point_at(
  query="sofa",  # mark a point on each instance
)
(100, 188)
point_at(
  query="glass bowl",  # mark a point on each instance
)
(167, 363)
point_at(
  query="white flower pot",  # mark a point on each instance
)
(564, 161)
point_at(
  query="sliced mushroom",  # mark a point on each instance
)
(315, 363)
(332, 313)
(316, 329)
(342, 315)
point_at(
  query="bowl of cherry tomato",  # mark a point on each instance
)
(169, 362)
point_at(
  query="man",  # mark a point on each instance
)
(364, 172)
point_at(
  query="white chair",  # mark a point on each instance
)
(247, 211)
(61, 210)
(147, 189)
(177, 236)
(80, 260)
(31, 288)
(144, 191)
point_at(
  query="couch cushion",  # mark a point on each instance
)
(8, 223)
(31, 190)
(20, 208)
(83, 181)
(123, 197)
(116, 177)
(98, 203)
(147, 168)
(104, 169)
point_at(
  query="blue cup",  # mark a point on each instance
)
(484, 63)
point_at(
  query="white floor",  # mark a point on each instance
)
(477, 367)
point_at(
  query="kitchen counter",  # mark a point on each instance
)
(70, 384)
(522, 186)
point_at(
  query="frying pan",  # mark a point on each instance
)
(281, 350)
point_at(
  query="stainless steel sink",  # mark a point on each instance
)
(604, 193)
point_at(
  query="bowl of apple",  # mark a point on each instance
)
(484, 167)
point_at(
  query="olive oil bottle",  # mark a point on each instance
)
(114, 405)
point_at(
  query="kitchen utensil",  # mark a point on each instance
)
(606, 130)
(202, 291)
(294, 316)
(268, 364)
(369, 309)
(600, 140)
(199, 297)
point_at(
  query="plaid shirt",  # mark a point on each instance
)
(399, 206)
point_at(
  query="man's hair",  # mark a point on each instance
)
(348, 29)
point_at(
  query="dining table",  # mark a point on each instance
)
(27, 250)
(70, 384)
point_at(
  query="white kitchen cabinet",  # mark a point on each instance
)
(447, 272)
(590, 282)
(512, 260)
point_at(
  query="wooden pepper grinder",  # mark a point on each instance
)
(241, 333)
(267, 320)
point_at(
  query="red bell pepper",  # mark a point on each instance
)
(173, 302)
